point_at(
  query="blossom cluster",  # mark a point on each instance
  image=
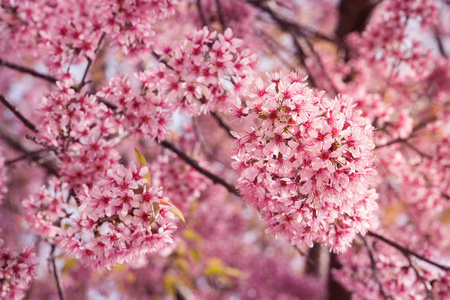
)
(364, 274)
(16, 271)
(67, 31)
(120, 218)
(305, 162)
(44, 209)
(204, 72)
(78, 128)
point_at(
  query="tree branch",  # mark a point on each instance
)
(407, 251)
(17, 113)
(56, 275)
(194, 164)
(28, 71)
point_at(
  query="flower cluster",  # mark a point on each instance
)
(305, 162)
(120, 218)
(78, 128)
(204, 72)
(365, 274)
(70, 30)
(16, 270)
(44, 209)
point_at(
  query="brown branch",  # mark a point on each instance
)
(289, 26)
(56, 274)
(222, 124)
(421, 278)
(375, 273)
(14, 143)
(27, 71)
(440, 45)
(201, 13)
(221, 15)
(407, 251)
(90, 62)
(194, 164)
(17, 113)
(23, 156)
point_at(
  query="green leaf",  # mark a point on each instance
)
(143, 163)
(175, 211)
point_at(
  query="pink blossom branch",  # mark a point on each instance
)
(17, 113)
(27, 71)
(407, 251)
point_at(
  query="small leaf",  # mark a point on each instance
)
(143, 163)
(174, 210)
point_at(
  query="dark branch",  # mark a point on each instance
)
(17, 113)
(194, 164)
(407, 251)
(201, 13)
(28, 71)
(221, 15)
(56, 275)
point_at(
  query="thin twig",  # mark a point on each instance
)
(288, 25)
(407, 251)
(34, 139)
(438, 38)
(56, 275)
(17, 113)
(23, 156)
(14, 143)
(28, 71)
(373, 265)
(90, 61)
(222, 124)
(194, 164)
(420, 277)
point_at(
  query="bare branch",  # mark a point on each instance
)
(27, 71)
(375, 273)
(221, 15)
(17, 113)
(56, 274)
(194, 164)
(407, 251)
(201, 13)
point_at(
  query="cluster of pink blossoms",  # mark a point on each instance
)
(45, 209)
(305, 162)
(120, 218)
(388, 273)
(79, 129)
(70, 30)
(16, 271)
(204, 72)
